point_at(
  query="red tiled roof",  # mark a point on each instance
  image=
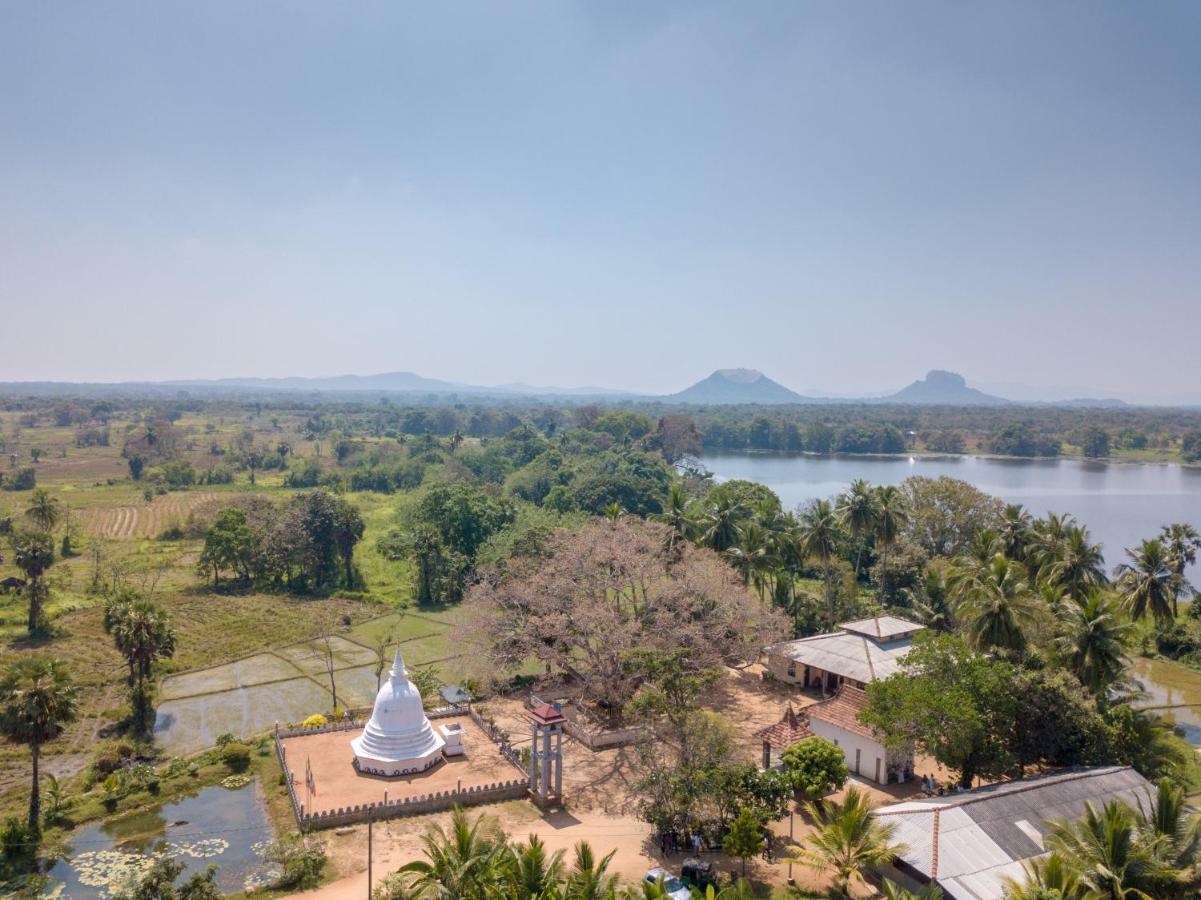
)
(547, 714)
(842, 710)
(787, 731)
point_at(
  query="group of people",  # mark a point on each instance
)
(931, 786)
(674, 842)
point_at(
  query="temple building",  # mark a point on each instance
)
(858, 653)
(398, 739)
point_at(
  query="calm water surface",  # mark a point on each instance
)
(215, 826)
(1120, 503)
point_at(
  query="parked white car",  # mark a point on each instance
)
(675, 888)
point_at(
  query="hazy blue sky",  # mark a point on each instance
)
(627, 194)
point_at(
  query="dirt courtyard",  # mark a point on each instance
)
(337, 784)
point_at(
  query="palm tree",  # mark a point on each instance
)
(33, 552)
(534, 874)
(820, 536)
(1093, 640)
(676, 515)
(37, 699)
(1147, 583)
(1015, 531)
(1078, 567)
(859, 514)
(932, 602)
(751, 556)
(1182, 542)
(1175, 833)
(738, 890)
(891, 517)
(467, 862)
(589, 878)
(719, 525)
(1105, 851)
(44, 510)
(848, 840)
(142, 631)
(1045, 540)
(890, 890)
(1047, 878)
(995, 604)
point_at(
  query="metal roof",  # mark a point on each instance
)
(882, 628)
(970, 842)
(849, 655)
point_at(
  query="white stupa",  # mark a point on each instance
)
(398, 740)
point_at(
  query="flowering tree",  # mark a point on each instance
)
(604, 593)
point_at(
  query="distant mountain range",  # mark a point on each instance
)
(938, 388)
(723, 387)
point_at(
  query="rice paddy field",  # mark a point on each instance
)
(243, 660)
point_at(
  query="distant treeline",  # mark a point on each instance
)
(1034, 431)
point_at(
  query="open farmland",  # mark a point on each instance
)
(148, 519)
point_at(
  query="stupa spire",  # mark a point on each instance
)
(398, 665)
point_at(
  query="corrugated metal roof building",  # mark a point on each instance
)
(858, 653)
(968, 843)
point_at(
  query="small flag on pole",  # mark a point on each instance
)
(308, 775)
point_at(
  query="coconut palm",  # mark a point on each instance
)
(467, 862)
(676, 515)
(719, 524)
(890, 890)
(589, 878)
(37, 699)
(848, 841)
(1182, 543)
(995, 605)
(534, 874)
(1109, 856)
(1147, 583)
(1047, 878)
(751, 556)
(820, 536)
(1175, 832)
(44, 510)
(891, 518)
(1078, 565)
(932, 601)
(1045, 540)
(1093, 640)
(738, 890)
(1014, 531)
(859, 514)
(33, 552)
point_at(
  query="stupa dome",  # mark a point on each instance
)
(398, 739)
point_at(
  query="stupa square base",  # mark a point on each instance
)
(337, 784)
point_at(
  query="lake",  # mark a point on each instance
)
(1121, 503)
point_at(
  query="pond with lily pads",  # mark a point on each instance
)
(219, 825)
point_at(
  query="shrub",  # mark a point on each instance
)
(300, 860)
(17, 838)
(815, 766)
(316, 720)
(236, 757)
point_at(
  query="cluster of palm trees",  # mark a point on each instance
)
(1120, 852)
(1030, 572)
(474, 860)
(772, 549)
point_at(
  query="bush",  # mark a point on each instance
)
(815, 766)
(17, 838)
(316, 720)
(24, 480)
(236, 757)
(300, 860)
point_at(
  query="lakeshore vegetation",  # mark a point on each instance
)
(147, 536)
